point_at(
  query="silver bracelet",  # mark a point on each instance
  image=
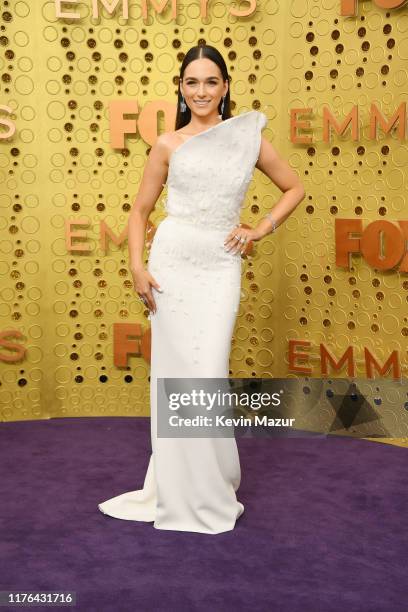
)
(269, 216)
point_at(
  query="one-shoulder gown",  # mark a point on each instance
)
(191, 483)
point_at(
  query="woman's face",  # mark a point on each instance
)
(202, 82)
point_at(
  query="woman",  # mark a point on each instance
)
(192, 285)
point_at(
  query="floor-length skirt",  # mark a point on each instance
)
(191, 482)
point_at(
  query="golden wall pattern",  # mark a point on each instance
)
(62, 310)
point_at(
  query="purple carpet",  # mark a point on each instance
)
(324, 527)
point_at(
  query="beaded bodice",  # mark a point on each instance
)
(209, 173)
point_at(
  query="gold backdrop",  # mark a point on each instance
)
(68, 315)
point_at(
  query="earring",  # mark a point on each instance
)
(222, 105)
(183, 105)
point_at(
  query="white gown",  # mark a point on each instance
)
(191, 483)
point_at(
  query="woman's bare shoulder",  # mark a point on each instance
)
(173, 136)
(170, 140)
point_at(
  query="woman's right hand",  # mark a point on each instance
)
(143, 282)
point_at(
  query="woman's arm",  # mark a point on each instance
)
(279, 171)
(151, 186)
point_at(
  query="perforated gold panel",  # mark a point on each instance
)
(64, 312)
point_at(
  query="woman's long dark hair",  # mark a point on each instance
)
(215, 56)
